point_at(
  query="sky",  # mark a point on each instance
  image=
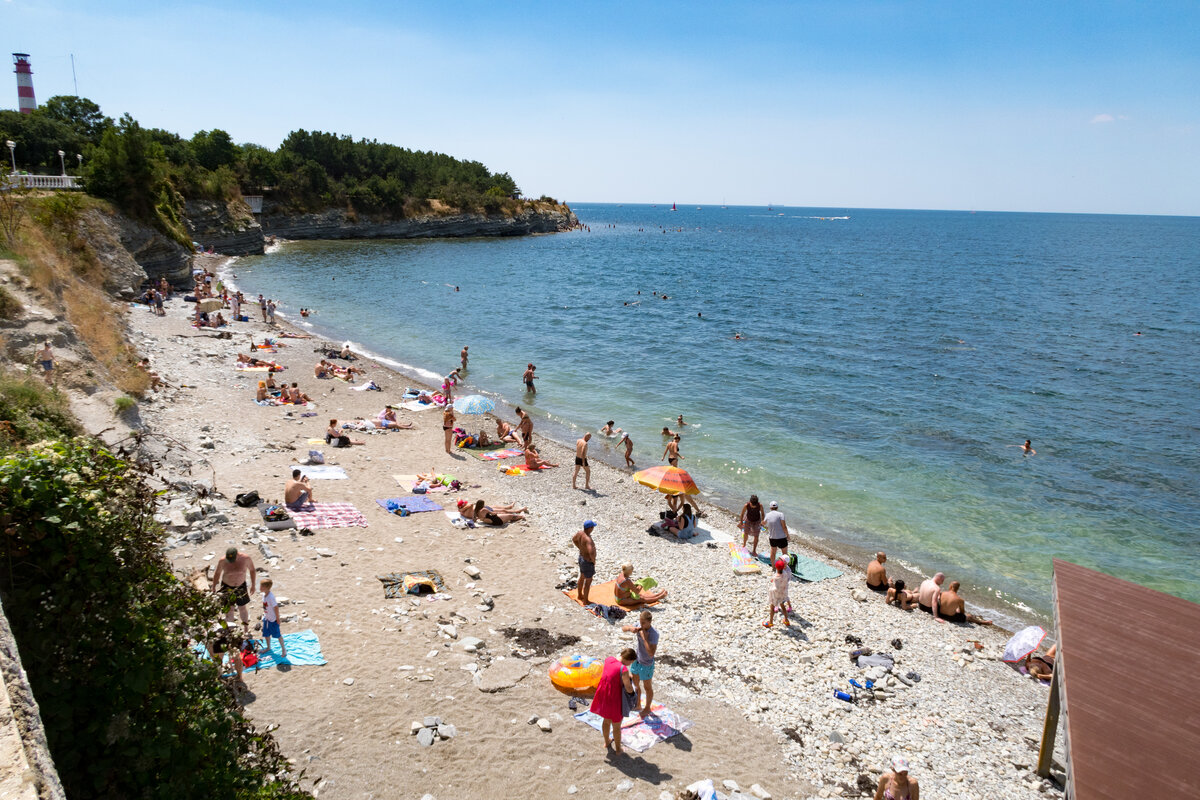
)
(1066, 106)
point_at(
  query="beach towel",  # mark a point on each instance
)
(251, 369)
(705, 534)
(399, 584)
(638, 734)
(516, 469)
(275, 524)
(806, 569)
(321, 472)
(493, 452)
(743, 563)
(304, 650)
(328, 515)
(605, 594)
(413, 405)
(415, 503)
(410, 481)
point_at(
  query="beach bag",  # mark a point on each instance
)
(247, 499)
(421, 488)
(316, 457)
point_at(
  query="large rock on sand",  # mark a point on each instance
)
(501, 675)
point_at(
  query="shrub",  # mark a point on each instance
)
(10, 306)
(124, 403)
(30, 411)
(104, 630)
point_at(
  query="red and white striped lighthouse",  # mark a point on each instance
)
(25, 99)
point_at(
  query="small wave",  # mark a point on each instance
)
(419, 372)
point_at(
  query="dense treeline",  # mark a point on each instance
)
(148, 171)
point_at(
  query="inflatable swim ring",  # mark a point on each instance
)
(576, 673)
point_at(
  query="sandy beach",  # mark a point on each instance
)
(760, 700)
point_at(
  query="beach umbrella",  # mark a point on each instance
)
(474, 404)
(210, 304)
(1023, 643)
(668, 480)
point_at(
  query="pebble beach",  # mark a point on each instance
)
(761, 700)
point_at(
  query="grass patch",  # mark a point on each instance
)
(124, 403)
(31, 412)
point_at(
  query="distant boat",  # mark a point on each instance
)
(698, 208)
(672, 206)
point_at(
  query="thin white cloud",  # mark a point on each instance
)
(1103, 118)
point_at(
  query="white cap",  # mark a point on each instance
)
(774, 504)
(899, 764)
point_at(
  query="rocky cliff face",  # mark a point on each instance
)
(339, 224)
(133, 252)
(230, 229)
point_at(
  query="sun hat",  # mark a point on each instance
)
(774, 504)
(899, 764)
(587, 526)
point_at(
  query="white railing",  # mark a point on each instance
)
(45, 181)
(254, 201)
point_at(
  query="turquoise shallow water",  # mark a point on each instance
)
(891, 363)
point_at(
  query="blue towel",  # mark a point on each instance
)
(304, 650)
(415, 503)
(808, 569)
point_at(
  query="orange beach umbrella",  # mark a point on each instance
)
(668, 480)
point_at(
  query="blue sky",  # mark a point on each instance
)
(1050, 106)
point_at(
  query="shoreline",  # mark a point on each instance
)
(1010, 614)
(763, 709)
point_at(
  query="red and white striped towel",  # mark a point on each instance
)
(328, 515)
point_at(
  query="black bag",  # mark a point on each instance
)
(247, 499)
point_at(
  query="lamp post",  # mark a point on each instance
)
(61, 161)
(79, 156)
(12, 153)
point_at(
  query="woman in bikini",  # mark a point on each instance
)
(261, 394)
(387, 419)
(751, 523)
(335, 437)
(448, 426)
(896, 785)
(629, 594)
(490, 515)
(900, 597)
(535, 461)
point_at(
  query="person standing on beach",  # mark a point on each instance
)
(235, 305)
(270, 619)
(643, 668)
(271, 312)
(463, 356)
(607, 702)
(930, 593)
(45, 358)
(587, 559)
(525, 427)
(529, 378)
(448, 426)
(751, 523)
(672, 452)
(777, 595)
(581, 448)
(777, 531)
(234, 579)
(628, 449)
(262, 307)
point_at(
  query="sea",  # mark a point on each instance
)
(876, 372)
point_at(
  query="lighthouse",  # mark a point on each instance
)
(25, 100)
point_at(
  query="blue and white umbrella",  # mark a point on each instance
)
(474, 404)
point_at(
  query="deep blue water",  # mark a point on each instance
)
(892, 362)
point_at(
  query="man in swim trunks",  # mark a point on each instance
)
(506, 432)
(672, 452)
(928, 594)
(529, 378)
(463, 356)
(45, 358)
(297, 492)
(777, 532)
(877, 579)
(952, 608)
(587, 559)
(525, 427)
(234, 578)
(581, 447)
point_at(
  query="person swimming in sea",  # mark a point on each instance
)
(1026, 448)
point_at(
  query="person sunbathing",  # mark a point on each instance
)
(900, 597)
(255, 362)
(631, 594)
(490, 515)
(952, 608)
(387, 419)
(345, 373)
(155, 380)
(535, 461)
(1042, 667)
(335, 437)
(294, 395)
(321, 370)
(261, 395)
(506, 432)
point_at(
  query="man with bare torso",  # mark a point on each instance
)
(952, 608)
(235, 579)
(928, 594)
(525, 427)
(463, 357)
(529, 378)
(877, 579)
(581, 448)
(628, 449)
(587, 559)
(297, 492)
